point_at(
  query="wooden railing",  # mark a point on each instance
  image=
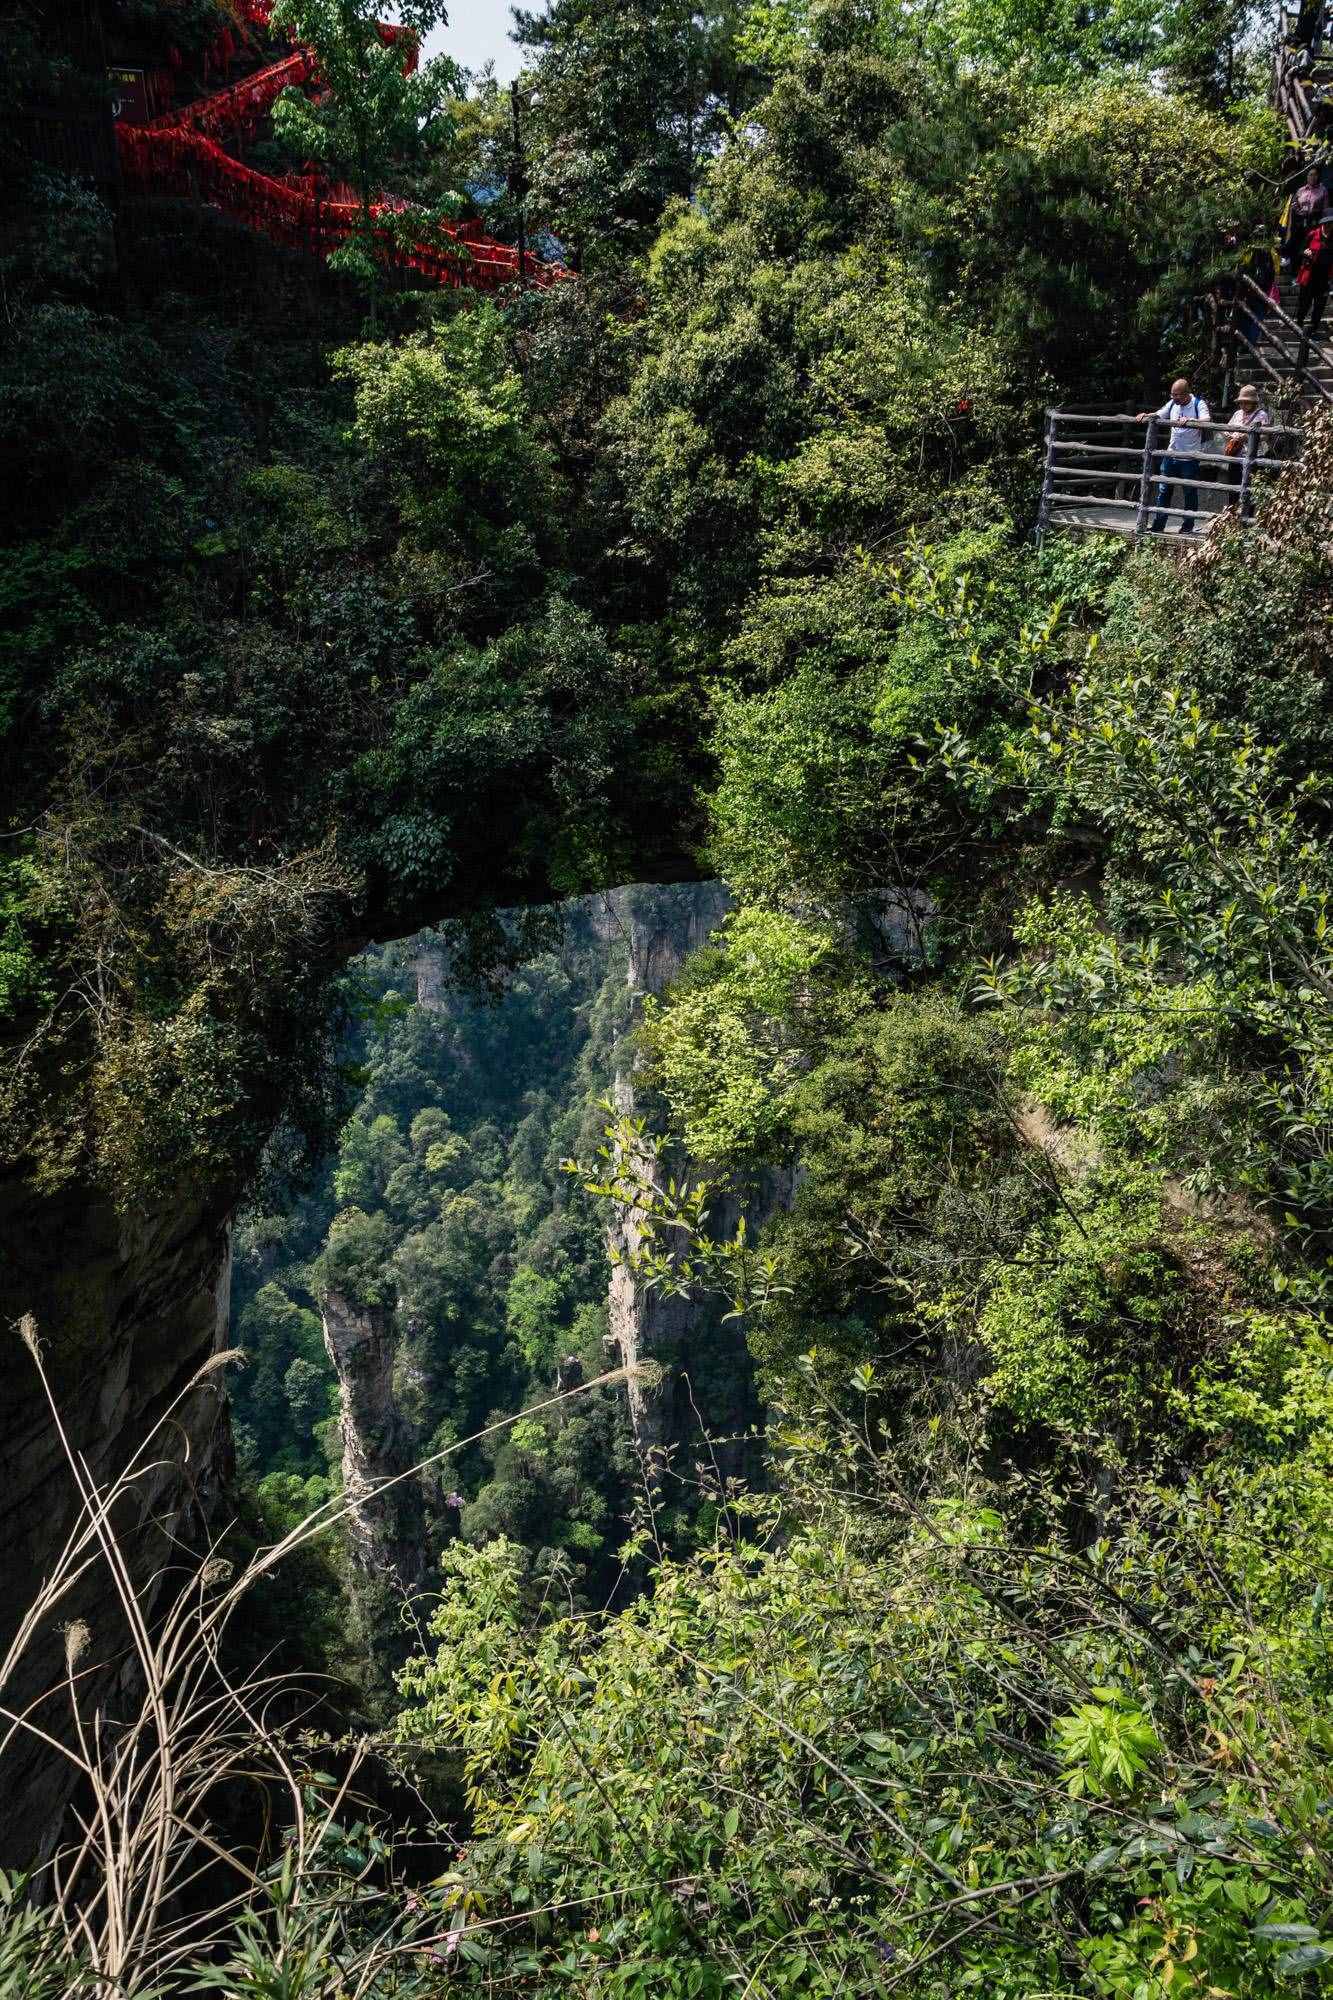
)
(1102, 472)
(1298, 349)
(1290, 88)
(1291, 98)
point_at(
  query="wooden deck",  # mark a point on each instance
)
(1102, 474)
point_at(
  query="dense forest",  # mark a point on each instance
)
(445, 1195)
(568, 1431)
(447, 1205)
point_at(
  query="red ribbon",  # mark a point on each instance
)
(178, 153)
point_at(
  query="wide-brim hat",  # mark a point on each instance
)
(1249, 394)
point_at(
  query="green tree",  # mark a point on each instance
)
(628, 104)
(535, 1317)
(376, 106)
(306, 1388)
(442, 415)
(917, 1748)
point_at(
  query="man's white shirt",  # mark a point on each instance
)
(1186, 439)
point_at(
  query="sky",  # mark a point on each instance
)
(478, 32)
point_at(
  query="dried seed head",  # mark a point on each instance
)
(224, 1359)
(78, 1638)
(28, 1335)
(216, 1570)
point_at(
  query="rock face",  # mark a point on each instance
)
(129, 1309)
(428, 969)
(383, 1529)
(700, 1382)
(660, 924)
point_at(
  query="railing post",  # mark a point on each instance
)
(1230, 341)
(1048, 476)
(1145, 476)
(1253, 435)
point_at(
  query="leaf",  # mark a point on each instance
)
(1291, 1932)
(1304, 1957)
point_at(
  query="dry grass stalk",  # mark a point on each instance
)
(147, 1785)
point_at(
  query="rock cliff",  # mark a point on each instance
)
(131, 1307)
(700, 1383)
(384, 1528)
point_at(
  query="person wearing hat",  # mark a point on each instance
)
(1307, 207)
(1244, 437)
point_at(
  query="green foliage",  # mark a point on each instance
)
(1106, 1745)
(539, 720)
(1201, 48)
(1079, 1322)
(847, 1698)
(801, 773)
(629, 103)
(21, 978)
(894, 263)
(306, 1393)
(445, 1210)
(373, 108)
(441, 416)
(35, 1963)
(533, 1315)
(354, 1259)
(285, 1499)
(449, 645)
(996, 1117)
(727, 1075)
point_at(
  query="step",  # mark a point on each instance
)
(1286, 370)
(1269, 351)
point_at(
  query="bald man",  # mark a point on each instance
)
(1185, 412)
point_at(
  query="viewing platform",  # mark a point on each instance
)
(1103, 470)
(1102, 473)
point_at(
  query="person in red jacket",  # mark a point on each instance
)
(1312, 281)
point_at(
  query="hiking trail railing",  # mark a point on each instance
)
(1103, 472)
(1291, 96)
(1254, 322)
(1301, 366)
(1296, 73)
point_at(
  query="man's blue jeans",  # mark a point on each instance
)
(1180, 472)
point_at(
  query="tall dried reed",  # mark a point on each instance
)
(143, 1891)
